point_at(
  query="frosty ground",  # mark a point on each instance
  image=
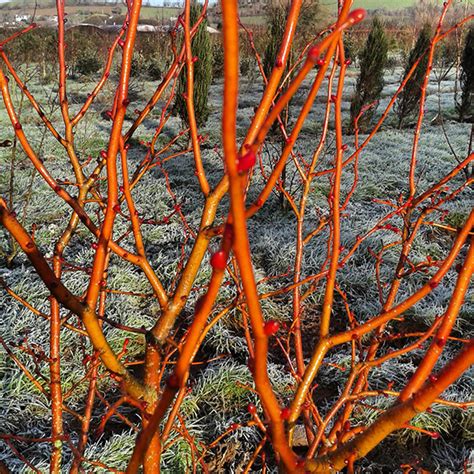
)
(218, 397)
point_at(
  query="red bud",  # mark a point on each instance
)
(219, 260)
(251, 408)
(246, 161)
(285, 413)
(441, 341)
(357, 15)
(313, 54)
(271, 327)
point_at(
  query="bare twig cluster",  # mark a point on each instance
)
(102, 199)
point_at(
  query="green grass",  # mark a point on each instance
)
(387, 4)
(253, 20)
(46, 8)
(167, 12)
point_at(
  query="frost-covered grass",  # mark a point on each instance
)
(219, 390)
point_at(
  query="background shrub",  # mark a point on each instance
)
(466, 106)
(139, 66)
(88, 63)
(370, 82)
(37, 47)
(201, 49)
(155, 52)
(276, 28)
(217, 57)
(409, 98)
(154, 68)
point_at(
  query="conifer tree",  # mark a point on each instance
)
(409, 98)
(276, 28)
(276, 19)
(466, 106)
(370, 81)
(202, 50)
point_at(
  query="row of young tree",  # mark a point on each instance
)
(84, 58)
(373, 61)
(370, 83)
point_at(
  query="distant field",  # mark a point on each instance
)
(47, 8)
(374, 4)
(388, 4)
(26, 5)
(85, 10)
